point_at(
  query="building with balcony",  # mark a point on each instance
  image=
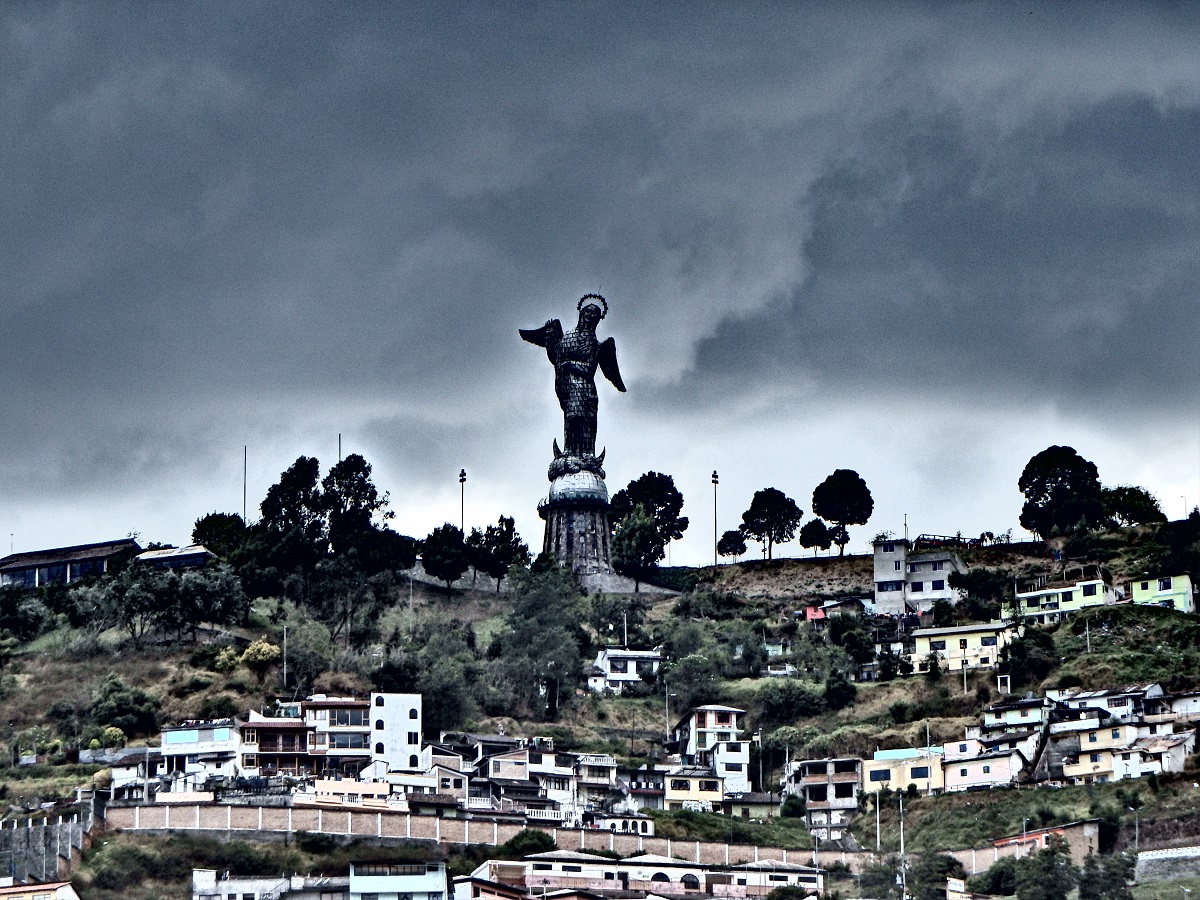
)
(911, 578)
(829, 790)
(596, 782)
(617, 668)
(275, 746)
(1043, 601)
(706, 726)
(1172, 591)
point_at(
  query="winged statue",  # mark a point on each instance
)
(575, 356)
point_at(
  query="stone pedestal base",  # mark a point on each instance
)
(578, 537)
(576, 514)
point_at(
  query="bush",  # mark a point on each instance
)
(792, 808)
(529, 840)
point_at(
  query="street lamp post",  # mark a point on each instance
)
(462, 500)
(715, 482)
(667, 695)
(1136, 827)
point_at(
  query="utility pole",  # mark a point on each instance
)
(285, 657)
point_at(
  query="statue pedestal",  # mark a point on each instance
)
(576, 515)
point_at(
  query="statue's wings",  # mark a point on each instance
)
(547, 336)
(606, 355)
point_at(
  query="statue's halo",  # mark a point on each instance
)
(586, 297)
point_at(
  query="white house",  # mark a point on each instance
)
(986, 770)
(195, 749)
(616, 668)
(1122, 703)
(392, 880)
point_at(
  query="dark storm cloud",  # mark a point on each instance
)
(1054, 263)
(257, 223)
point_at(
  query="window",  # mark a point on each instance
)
(914, 567)
(984, 660)
(1089, 590)
(379, 724)
(938, 585)
(1125, 756)
(733, 767)
(724, 718)
(1024, 714)
(414, 737)
(1145, 586)
(1094, 757)
(962, 748)
(351, 741)
(1116, 732)
(379, 749)
(542, 867)
(709, 787)
(572, 868)
(917, 587)
(355, 718)
(842, 791)
(987, 770)
(987, 641)
(412, 714)
(1067, 596)
(889, 548)
(618, 666)
(379, 701)
(1164, 584)
(897, 565)
(1092, 738)
(962, 773)
(1117, 702)
(681, 784)
(886, 586)
(937, 645)
(919, 772)
(733, 747)
(881, 775)
(690, 882)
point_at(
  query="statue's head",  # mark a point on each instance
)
(592, 308)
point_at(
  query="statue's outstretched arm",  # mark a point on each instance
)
(547, 336)
(606, 355)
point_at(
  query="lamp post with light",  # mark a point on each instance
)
(715, 482)
(462, 500)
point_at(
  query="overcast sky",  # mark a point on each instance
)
(921, 241)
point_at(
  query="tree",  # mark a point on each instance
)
(1030, 657)
(732, 543)
(783, 700)
(222, 533)
(444, 554)
(128, 708)
(772, 518)
(637, 546)
(816, 534)
(660, 500)
(260, 657)
(1106, 878)
(1129, 505)
(504, 549)
(539, 649)
(838, 692)
(1047, 874)
(843, 498)
(1062, 489)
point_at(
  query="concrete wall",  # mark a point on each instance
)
(261, 822)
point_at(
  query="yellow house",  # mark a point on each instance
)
(1172, 591)
(897, 770)
(692, 787)
(960, 646)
